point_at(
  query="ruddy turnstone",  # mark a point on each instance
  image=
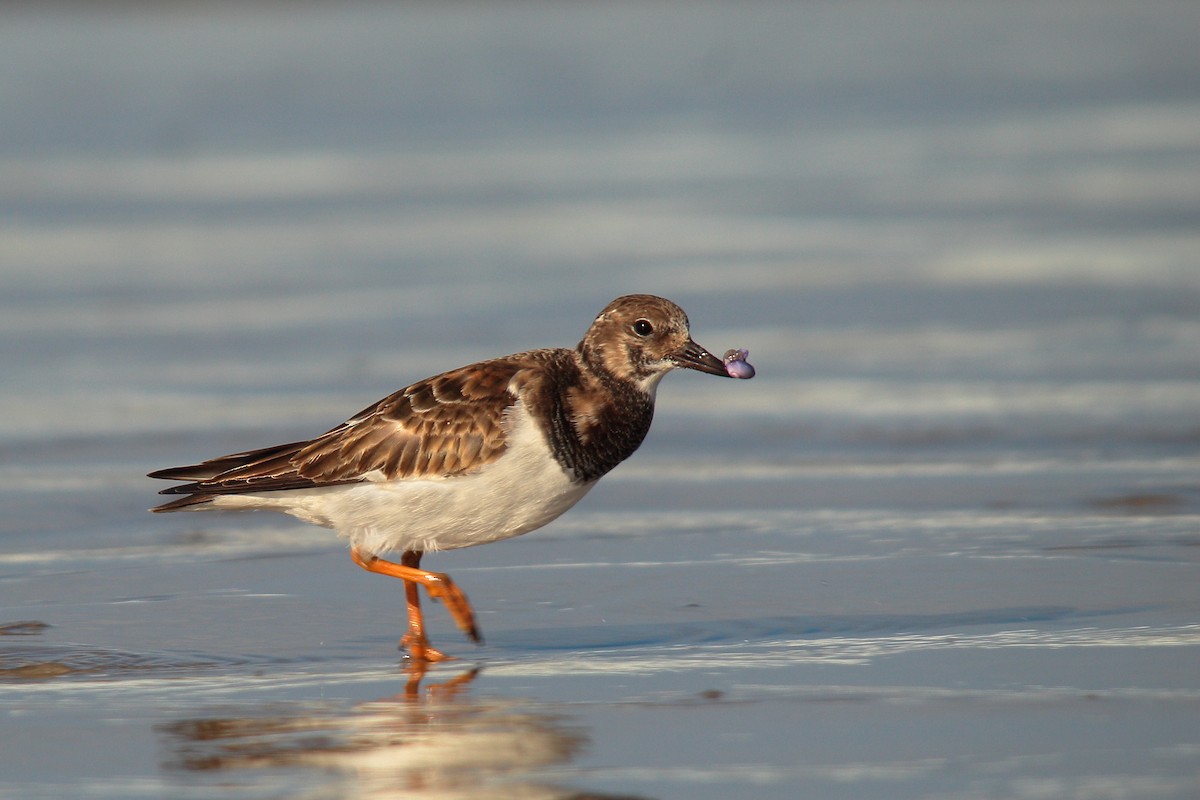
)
(475, 455)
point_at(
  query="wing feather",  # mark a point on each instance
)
(447, 425)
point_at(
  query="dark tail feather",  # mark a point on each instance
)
(268, 469)
(184, 502)
(195, 472)
(207, 470)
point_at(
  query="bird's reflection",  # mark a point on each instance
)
(429, 738)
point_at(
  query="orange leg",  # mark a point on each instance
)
(439, 586)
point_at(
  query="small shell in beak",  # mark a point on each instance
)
(736, 365)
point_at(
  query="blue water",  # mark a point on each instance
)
(944, 545)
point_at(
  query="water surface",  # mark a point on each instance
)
(945, 545)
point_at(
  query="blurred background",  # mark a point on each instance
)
(960, 241)
(292, 197)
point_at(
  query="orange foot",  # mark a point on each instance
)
(441, 587)
(418, 650)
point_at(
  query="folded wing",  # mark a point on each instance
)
(443, 426)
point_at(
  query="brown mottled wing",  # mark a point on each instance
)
(438, 427)
(442, 426)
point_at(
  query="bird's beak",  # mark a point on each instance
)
(693, 356)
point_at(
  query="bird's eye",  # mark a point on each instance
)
(643, 327)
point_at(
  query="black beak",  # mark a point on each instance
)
(693, 356)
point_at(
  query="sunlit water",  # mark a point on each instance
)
(946, 544)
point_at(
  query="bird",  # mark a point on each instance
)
(475, 455)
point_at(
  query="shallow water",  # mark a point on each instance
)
(946, 544)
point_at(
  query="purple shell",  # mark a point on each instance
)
(736, 364)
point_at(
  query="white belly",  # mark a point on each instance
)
(522, 491)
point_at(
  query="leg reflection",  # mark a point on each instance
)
(417, 671)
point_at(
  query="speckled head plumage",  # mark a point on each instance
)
(640, 338)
